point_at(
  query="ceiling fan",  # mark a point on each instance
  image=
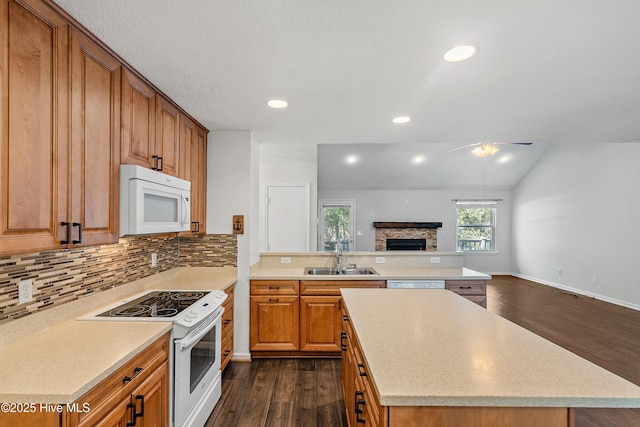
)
(485, 149)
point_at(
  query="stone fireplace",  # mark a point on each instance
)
(407, 235)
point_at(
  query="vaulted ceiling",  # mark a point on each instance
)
(546, 71)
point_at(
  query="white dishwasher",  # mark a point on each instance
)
(415, 284)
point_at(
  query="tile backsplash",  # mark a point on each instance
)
(66, 275)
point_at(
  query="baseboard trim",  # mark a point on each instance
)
(579, 291)
(241, 357)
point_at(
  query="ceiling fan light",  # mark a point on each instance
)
(485, 150)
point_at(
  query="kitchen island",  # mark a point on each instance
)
(416, 357)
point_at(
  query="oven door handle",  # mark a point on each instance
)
(190, 340)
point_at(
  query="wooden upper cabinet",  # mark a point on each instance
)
(199, 180)
(34, 154)
(138, 122)
(70, 113)
(193, 168)
(167, 147)
(95, 140)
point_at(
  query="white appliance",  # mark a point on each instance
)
(195, 384)
(415, 284)
(153, 202)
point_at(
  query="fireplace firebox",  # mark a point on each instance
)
(406, 244)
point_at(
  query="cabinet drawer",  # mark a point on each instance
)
(227, 319)
(467, 287)
(274, 287)
(332, 287)
(227, 351)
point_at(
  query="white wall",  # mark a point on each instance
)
(232, 181)
(288, 164)
(429, 206)
(576, 211)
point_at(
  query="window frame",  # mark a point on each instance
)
(351, 204)
(493, 226)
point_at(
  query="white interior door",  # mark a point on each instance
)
(288, 217)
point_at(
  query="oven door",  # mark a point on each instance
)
(197, 384)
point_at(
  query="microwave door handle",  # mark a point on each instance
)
(185, 210)
(188, 341)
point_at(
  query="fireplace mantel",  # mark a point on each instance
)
(432, 225)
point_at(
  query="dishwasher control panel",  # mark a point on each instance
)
(415, 284)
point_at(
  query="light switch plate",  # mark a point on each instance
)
(285, 260)
(380, 260)
(435, 260)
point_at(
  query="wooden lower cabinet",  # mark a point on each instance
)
(320, 323)
(137, 392)
(274, 312)
(360, 399)
(362, 405)
(473, 290)
(299, 318)
(227, 329)
(320, 312)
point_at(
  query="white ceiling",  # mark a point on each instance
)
(547, 71)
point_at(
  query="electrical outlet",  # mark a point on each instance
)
(559, 272)
(380, 260)
(154, 259)
(435, 260)
(594, 279)
(25, 291)
(285, 260)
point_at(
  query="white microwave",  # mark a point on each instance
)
(153, 202)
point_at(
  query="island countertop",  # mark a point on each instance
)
(434, 348)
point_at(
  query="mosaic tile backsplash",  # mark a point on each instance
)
(67, 275)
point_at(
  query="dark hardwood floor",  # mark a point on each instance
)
(306, 392)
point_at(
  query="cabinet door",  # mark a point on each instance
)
(274, 322)
(95, 139)
(167, 136)
(199, 180)
(320, 323)
(193, 168)
(33, 126)
(138, 121)
(151, 399)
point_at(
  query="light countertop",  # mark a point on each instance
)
(384, 273)
(434, 348)
(57, 359)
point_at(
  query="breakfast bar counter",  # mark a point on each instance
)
(428, 350)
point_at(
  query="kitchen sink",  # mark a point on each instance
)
(332, 271)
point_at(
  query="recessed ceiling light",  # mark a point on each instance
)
(401, 120)
(460, 53)
(351, 159)
(418, 158)
(503, 159)
(277, 103)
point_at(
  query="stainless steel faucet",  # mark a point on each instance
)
(340, 259)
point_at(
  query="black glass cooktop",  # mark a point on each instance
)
(156, 304)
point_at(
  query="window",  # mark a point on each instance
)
(476, 227)
(336, 225)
